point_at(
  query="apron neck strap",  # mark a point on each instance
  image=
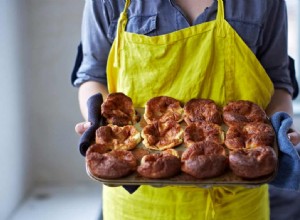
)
(123, 16)
(127, 3)
(220, 19)
(220, 13)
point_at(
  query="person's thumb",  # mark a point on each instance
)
(294, 137)
(81, 127)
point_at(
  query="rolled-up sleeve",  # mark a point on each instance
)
(273, 53)
(95, 43)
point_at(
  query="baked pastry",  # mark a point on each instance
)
(204, 159)
(162, 135)
(118, 138)
(253, 163)
(163, 108)
(242, 112)
(203, 131)
(110, 165)
(139, 152)
(250, 135)
(118, 110)
(199, 110)
(98, 148)
(160, 165)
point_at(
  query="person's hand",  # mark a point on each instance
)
(294, 136)
(81, 127)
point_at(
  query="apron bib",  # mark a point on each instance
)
(208, 60)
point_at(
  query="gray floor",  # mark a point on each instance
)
(79, 202)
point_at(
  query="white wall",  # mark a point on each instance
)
(39, 108)
(53, 107)
(14, 156)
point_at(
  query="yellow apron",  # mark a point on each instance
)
(208, 60)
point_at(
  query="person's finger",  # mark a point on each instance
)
(81, 127)
(294, 137)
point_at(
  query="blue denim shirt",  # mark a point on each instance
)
(262, 24)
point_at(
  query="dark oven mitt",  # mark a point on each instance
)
(94, 116)
(288, 175)
(88, 137)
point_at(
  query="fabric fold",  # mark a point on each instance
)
(131, 188)
(94, 116)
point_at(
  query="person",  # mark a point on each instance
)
(223, 50)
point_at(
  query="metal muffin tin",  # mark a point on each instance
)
(183, 179)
